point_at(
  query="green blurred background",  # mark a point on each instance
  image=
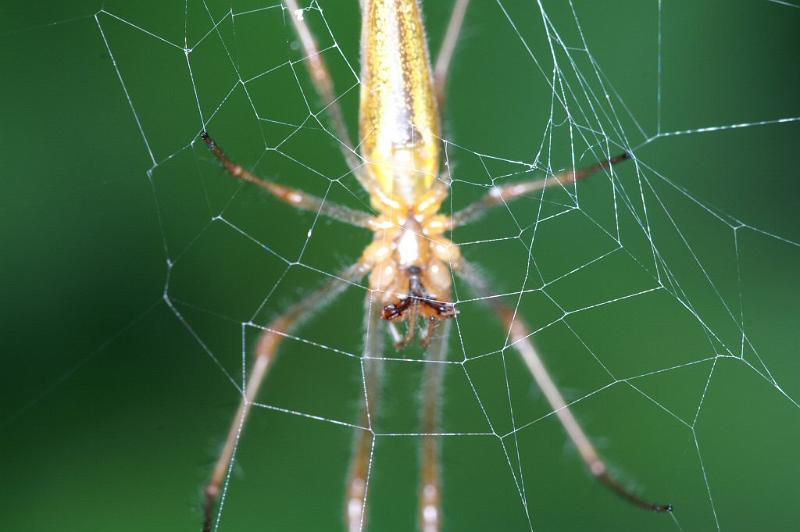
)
(115, 399)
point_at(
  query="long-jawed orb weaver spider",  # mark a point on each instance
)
(409, 260)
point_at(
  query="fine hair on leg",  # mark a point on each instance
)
(520, 339)
(364, 440)
(266, 350)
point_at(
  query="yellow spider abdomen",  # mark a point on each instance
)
(399, 121)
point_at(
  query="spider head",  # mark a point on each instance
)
(417, 303)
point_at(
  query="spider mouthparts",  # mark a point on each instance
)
(436, 310)
(418, 304)
(411, 309)
(391, 312)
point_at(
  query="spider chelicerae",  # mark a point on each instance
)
(410, 260)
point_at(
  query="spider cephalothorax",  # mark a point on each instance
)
(411, 270)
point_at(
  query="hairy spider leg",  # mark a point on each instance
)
(293, 196)
(500, 195)
(430, 492)
(520, 339)
(364, 441)
(441, 71)
(323, 83)
(266, 351)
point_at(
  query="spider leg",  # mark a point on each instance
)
(519, 334)
(506, 193)
(442, 68)
(292, 196)
(430, 498)
(266, 349)
(323, 83)
(357, 482)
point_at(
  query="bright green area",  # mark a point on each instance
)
(114, 404)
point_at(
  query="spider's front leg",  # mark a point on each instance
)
(323, 83)
(293, 196)
(441, 70)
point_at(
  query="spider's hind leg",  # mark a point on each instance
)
(520, 338)
(265, 353)
(364, 440)
(430, 489)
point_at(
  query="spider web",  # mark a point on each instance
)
(662, 294)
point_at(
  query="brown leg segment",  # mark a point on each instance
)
(441, 70)
(292, 196)
(506, 193)
(323, 82)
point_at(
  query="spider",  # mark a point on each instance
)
(410, 260)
